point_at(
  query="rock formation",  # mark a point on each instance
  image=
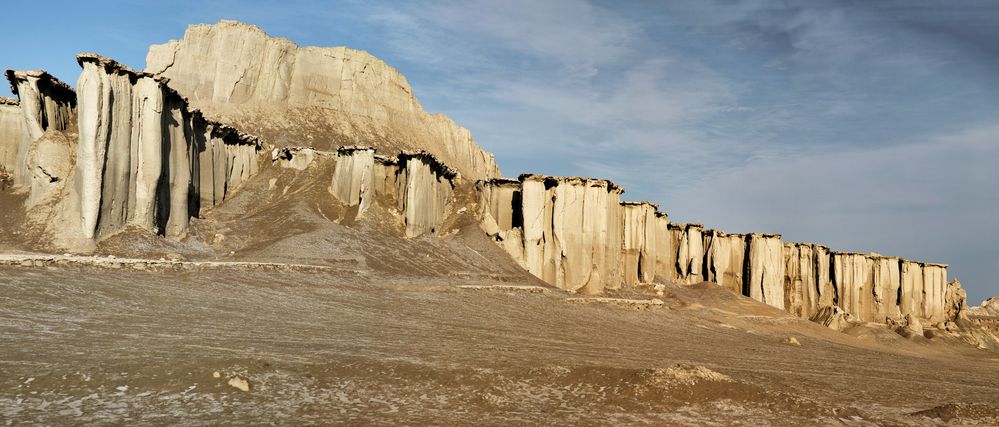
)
(725, 259)
(765, 269)
(321, 97)
(144, 158)
(12, 134)
(45, 104)
(639, 244)
(574, 231)
(354, 180)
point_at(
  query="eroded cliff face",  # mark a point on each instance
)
(572, 232)
(145, 158)
(320, 97)
(765, 268)
(12, 134)
(725, 259)
(33, 159)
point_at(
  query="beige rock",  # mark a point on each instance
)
(354, 179)
(639, 245)
(792, 341)
(853, 277)
(142, 152)
(239, 383)
(45, 104)
(325, 97)
(13, 135)
(725, 259)
(428, 191)
(765, 269)
(955, 302)
(833, 317)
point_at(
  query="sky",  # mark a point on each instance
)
(866, 126)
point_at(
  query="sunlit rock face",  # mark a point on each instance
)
(319, 97)
(765, 268)
(640, 246)
(44, 104)
(354, 179)
(725, 259)
(144, 158)
(571, 232)
(12, 134)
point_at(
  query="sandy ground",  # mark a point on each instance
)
(83, 344)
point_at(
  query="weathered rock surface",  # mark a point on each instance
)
(639, 245)
(321, 97)
(725, 259)
(575, 233)
(45, 104)
(12, 134)
(765, 269)
(354, 180)
(144, 158)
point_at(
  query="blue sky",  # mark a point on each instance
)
(866, 126)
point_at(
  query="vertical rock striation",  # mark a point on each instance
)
(144, 158)
(354, 178)
(725, 256)
(45, 104)
(639, 250)
(428, 190)
(765, 269)
(12, 134)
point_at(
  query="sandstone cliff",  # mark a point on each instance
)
(576, 234)
(319, 97)
(45, 105)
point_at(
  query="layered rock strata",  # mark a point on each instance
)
(45, 104)
(325, 97)
(144, 158)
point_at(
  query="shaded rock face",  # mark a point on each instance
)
(321, 97)
(144, 158)
(45, 104)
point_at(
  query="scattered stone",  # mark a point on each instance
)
(216, 374)
(792, 341)
(240, 383)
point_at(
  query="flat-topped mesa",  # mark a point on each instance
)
(145, 158)
(325, 97)
(45, 104)
(8, 101)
